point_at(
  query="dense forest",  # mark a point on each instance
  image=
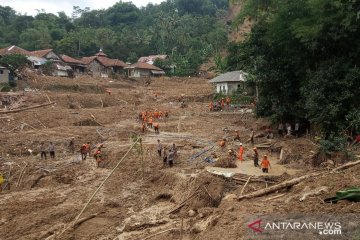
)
(188, 30)
(304, 55)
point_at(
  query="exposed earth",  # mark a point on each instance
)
(143, 199)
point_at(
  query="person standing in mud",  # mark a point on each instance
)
(256, 157)
(72, 145)
(265, 164)
(170, 157)
(159, 147)
(42, 151)
(52, 150)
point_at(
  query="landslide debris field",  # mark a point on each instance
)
(143, 199)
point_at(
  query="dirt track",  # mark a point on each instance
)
(133, 205)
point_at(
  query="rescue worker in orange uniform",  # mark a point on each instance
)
(83, 152)
(150, 122)
(156, 114)
(222, 103)
(265, 164)
(97, 154)
(228, 101)
(211, 106)
(241, 152)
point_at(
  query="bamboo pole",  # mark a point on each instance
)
(97, 190)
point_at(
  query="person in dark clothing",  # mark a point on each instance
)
(42, 151)
(72, 145)
(159, 147)
(170, 157)
(52, 150)
(256, 157)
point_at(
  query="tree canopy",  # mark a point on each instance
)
(305, 58)
(188, 31)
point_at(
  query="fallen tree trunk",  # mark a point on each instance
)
(27, 108)
(277, 187)
(346, 165)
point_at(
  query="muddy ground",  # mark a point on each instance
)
(143, 199)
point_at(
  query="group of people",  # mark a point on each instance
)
(220, 104)
(168, 155)
(264, 165)
(44, 150)
(147, 119)
(85, 150)
(286, 130)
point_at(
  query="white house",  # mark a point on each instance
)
(229, 82)
(143, 70)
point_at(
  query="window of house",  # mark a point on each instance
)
(1, 71)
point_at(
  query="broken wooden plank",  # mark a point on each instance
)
(247, 182)
(27, 108)
(277, 187)
(346, 165)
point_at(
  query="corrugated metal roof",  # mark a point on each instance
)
(235, 76)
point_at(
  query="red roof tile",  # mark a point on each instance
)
(107, 62)
(87, 60)
(14, 50)
(68, 59)
(41, 53)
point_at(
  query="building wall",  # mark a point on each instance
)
(140, 73)
(61, 73)
(96, 68)
(4, 75)
(222, 87)
(229, 88)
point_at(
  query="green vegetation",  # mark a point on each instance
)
(189, 31)
(304, 56)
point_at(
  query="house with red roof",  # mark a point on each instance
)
(140, 69)
(14, 50)
(48, 54)
(76, 65)
(102, 66)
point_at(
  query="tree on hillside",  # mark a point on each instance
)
(305, 57)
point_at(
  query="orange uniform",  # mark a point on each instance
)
(222, 143)
(228, 100)
(211, 106)
(241, 152)
(222, 102)
(265, 163)
(156, 114)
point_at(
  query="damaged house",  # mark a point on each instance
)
(101, 65)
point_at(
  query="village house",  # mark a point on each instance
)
(101, 65)
(229, 82)
(76, 65)
(14, 50)
(143, 70)
(47, 54)
(4, 75)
